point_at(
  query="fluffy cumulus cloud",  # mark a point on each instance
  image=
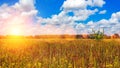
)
(23, 15)
(82, 4)
(74, 4)
(79, 11)
(102, 12)
(18, 16)
(98, 3)
(110, 26)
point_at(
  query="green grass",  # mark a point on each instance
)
(36, 53)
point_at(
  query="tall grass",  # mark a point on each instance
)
(36, 53)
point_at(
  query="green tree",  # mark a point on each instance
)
(97, 34)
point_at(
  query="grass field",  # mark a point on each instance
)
(37, 53)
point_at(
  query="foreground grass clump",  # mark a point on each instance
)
(36, 53)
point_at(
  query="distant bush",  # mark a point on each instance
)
(97, 34)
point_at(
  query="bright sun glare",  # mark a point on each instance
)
(15, 31)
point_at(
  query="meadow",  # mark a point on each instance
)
(59, 53)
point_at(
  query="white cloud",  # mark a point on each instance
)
(20, 15)
(74, 4)
(98, 3)
(24, 15)
(115, 18)
(80, 26)
(111, 25)
(102, 12)
(82, 4)
(27, 5)
(80, 13)
(83, 14)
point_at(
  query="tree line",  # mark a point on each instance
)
(97, 36)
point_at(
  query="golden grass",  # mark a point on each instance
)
(59, 53)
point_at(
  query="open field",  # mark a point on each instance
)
(37, 53)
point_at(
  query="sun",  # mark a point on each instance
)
(15, 31)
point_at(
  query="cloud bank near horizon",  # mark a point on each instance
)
(70, 20)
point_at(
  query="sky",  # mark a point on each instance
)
(36, 17)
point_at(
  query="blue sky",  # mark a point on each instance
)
(48, 8)
(66, 14)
